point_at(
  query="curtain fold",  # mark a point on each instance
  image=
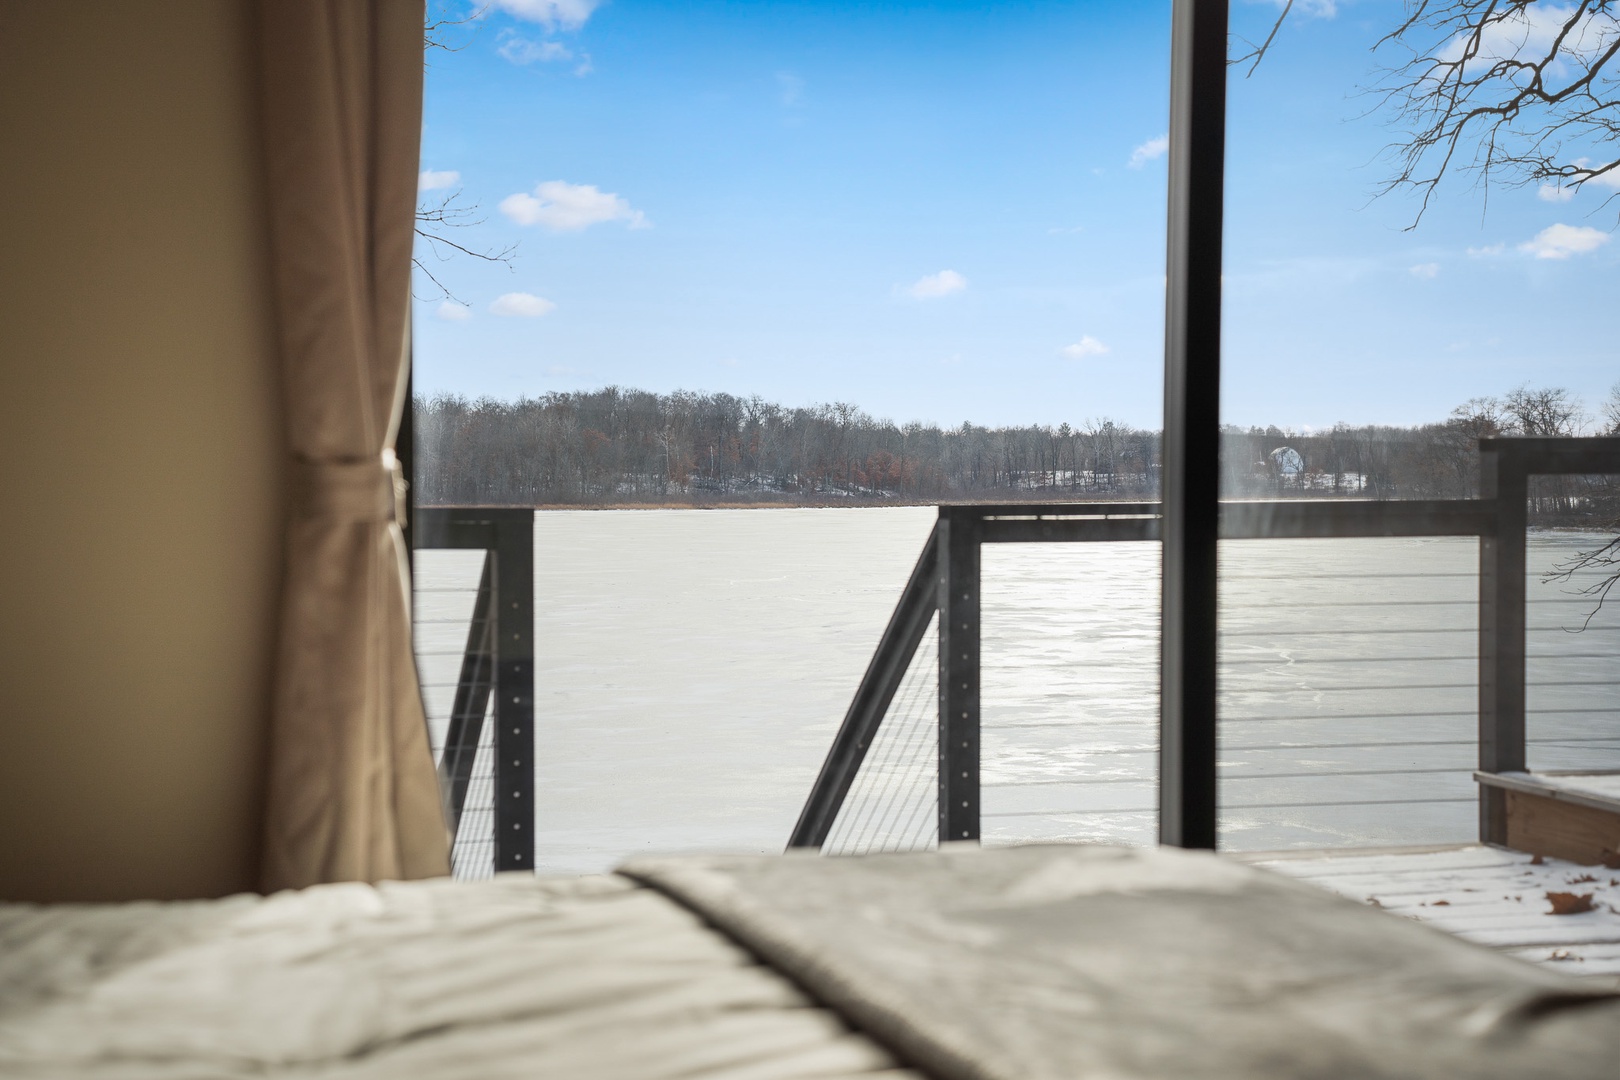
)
(352, 792)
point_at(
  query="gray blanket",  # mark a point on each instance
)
(513, 979)
(1048, 962)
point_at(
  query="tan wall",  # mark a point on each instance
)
(140, 491)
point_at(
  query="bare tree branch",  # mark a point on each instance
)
(435, 33)
(1258, 52)
(449, 212)
(1605, 560)
(1515, 92)
(1510, 91)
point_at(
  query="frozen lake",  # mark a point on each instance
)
(694, 664)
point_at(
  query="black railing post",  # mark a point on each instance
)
(957, 535)
(500, 654)
(514, 687)
(1192, 398)
(1502, 477)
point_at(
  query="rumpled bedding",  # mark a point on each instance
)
(515, 977)
(1059, 962)
(1036, 962)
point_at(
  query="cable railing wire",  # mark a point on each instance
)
(1253, 686)
(473, 856)
(446, 600)
(1326, 803)
(893, 803)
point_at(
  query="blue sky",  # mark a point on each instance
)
(953, 211)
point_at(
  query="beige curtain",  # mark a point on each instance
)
(352, 792)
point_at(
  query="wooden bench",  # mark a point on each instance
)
(1563, 815)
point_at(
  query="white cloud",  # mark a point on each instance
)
(1489, 251)
(1148, 151)
(437, 180)
(551, 14)
(520, 50)
(1554, 193)
(1426, 271)
(1087, 346)
(934, 286)
(450, 311)
(564, 207)
(1318, 9)
(1562, 241)
(521, 305)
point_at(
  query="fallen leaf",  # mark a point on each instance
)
(1442, 903)
(1538, 861)
(1565, 903)
(1582, 880)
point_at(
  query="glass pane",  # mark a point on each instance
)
(1377, 326)
(733, 296)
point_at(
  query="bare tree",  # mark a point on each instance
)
(1517, 92)
(1549, 411)
(1511, 91)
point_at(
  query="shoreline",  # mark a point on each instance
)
(878, 504)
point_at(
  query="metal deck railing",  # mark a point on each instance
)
(1466, 704)
(486, 753)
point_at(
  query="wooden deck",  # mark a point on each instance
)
(1487, 895)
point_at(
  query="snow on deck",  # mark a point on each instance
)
(1486, 895)
(1600, 791)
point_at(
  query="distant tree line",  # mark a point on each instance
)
(615, 446)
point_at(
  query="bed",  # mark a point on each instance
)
(1041, 961)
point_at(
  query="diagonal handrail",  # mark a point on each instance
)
(916, 608)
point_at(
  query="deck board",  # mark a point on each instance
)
(1486, 895)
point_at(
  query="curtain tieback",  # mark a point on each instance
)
(350, 491)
